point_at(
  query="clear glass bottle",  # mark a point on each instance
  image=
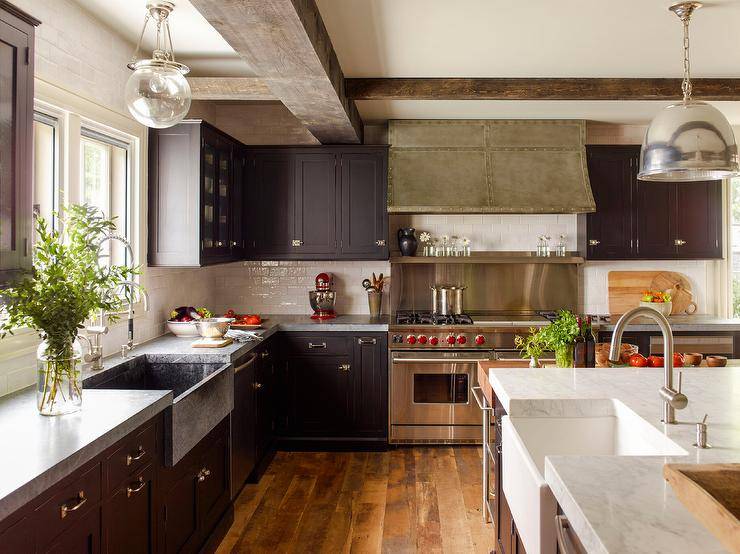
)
(543, 246)
(561, 247)
(59, 385)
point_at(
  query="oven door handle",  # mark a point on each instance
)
(480, 399)
(439, 360)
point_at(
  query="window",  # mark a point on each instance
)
(101, 176)
(735, 247)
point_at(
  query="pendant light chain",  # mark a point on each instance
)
(686, 85)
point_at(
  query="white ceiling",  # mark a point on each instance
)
(528, 38)
(196, 42)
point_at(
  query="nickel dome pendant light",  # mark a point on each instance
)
(690, 140)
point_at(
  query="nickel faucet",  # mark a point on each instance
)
(131, 286)
(672, 399)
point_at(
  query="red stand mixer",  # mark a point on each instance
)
(323, 298)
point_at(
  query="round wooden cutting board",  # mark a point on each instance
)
(680, 289)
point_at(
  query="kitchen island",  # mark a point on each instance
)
(622, 503)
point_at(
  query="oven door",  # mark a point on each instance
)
(434, 387)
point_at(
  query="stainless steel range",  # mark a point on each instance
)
(433, 367)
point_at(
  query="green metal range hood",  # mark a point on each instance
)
(520, 166)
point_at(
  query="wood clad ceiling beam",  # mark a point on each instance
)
(288, 46)
(230, 88)
(537, 89)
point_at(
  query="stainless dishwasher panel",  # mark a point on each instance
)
(702, 344)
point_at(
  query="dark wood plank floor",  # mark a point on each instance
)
(404, 500)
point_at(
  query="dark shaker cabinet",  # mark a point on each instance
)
(318, 203)
(647, 220)
(195, 201)
(16, 140)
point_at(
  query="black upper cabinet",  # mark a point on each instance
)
(612, 172)
(318, 203)
(364, 216)
(648, 220)
(195, 201)
(16, 116)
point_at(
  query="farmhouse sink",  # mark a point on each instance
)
(582, 428)
(203, 395)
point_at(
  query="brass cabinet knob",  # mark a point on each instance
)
(380, 242)
(344, 367)
(257, 386)
(296, 242)
(679, 242)
(594, 242)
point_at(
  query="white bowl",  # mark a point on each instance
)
(660, 307)
(182, 328)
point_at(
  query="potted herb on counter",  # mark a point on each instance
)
(559, 336)
(68, 284)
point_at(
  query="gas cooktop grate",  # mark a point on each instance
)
(429, 318)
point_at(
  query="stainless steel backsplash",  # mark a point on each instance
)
(491, 288)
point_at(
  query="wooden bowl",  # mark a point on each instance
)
(693, 358)
(716, 361)
(602, 353)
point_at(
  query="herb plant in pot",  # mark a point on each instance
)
(67, 285)
(560, 336)
(532, 346)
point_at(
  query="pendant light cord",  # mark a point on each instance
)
(686, 85)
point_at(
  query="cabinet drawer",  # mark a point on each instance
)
(134, 453)
(68, 505)
(319, 344)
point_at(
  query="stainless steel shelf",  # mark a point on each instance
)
(490, 258)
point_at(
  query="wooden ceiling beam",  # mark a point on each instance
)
(537, 89)
(230, 88)
(288, 46)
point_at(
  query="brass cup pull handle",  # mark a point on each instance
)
(312, 345)
(134, 490)
(344, 367)
(594, 242)
(202, 474)
(78, 503)
(679, 242)
(131, 458)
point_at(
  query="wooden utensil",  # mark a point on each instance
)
(711, 492)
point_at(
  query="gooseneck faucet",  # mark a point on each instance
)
(672, 399)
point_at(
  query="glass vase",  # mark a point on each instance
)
(564, 356)
(59, 389)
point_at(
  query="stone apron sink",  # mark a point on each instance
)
(203, 395)
(599, 427)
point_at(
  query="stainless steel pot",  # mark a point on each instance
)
(447, 299)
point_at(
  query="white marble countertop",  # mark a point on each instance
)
(623, 504)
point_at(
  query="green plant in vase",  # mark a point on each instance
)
(532, 346)
(560, 336)
(66, 286)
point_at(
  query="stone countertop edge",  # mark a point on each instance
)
(622, 503)
(15, 495)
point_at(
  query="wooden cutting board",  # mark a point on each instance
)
(680, 289)
(711, 492)
(626, 287)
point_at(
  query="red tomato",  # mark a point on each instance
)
(638, 360)
(677, 360)
(253, 320)
(655, 361)
(230, 313)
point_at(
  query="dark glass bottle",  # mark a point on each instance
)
(590, 343)
(579, 350)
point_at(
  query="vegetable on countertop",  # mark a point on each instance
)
(655, 296)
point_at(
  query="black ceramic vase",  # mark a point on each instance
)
(407, 242)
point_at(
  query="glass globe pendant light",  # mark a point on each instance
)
(157, 93)
(690, 140)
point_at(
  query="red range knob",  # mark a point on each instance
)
(451, 339)
(461, 339)
(434, 341)
(480, 339)
(422, 339)
(411, 339)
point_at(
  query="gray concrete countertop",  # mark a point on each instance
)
(359, 323)
(41, 450)
(696, 323)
